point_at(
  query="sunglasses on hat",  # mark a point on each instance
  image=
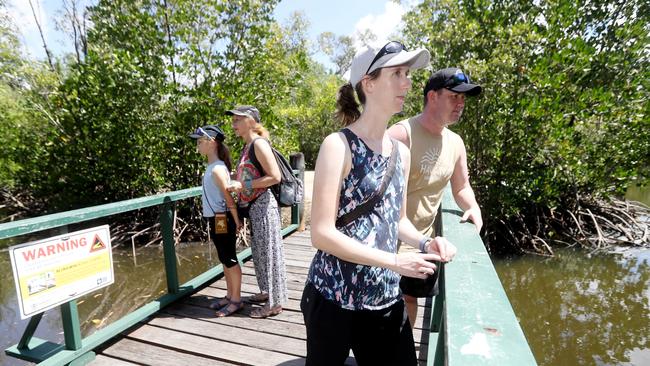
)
(390, 47)
(201, 131)
(457, 79)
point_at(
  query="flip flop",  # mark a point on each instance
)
(265, 312)
(228, 310)
(224, 301)
(258, 298)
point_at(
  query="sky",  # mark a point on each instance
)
(342, 17)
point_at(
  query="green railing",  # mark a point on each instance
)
(472, 321)
(78, 350)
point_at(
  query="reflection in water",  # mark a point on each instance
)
(581, 309)
(135, 285)
(640, 194)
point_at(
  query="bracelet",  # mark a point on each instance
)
(423, 243)
(248, 183)
(395, 255)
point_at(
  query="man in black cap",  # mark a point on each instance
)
(438, 156)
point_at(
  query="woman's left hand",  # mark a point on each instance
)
(442, 247)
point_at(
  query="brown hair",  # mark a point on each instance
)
(223, 153)
(347, 107)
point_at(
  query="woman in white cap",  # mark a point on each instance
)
(352, 298)
(256, 172)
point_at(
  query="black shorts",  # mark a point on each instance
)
(377, 337)
(417, 287)
(226, 243)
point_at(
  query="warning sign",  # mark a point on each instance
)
(53, 271)
(98, 244)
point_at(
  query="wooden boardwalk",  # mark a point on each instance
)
(187, 333)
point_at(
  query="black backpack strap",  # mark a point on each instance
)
(369, 204)
(251, 155)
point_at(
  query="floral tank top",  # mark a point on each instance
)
(350, 285)
(246, 170)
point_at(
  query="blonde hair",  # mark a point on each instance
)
(260, 130)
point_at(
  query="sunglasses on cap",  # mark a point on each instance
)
(201, 131)
(390, 47)
(457, 79)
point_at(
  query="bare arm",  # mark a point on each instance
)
(463, 192)
(332, 165)
(399, 133)
(220, 178)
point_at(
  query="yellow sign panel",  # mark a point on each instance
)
(56, 270)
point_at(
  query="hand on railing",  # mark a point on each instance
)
(441, 246)
(416, 265)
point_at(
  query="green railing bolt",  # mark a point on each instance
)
(71, 328)
(166, 225)
(29, 330)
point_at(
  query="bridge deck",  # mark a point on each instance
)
(187, 333)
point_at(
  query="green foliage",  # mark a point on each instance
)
(25, 121)
(564, 113)
(153, 71)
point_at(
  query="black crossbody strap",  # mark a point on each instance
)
(377, 195)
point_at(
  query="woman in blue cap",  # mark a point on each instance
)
(220, 209)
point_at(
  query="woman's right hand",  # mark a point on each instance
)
(415, 265)
(234, 186)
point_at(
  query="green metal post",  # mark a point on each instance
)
(166, 225)
(71, 328)
(29, 331)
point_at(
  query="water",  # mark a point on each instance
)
(135, 285)
(582, 309)
(641, 194)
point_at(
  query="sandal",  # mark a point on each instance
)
(259, 298)
(224, 301)
(265, 312)
(229, 310)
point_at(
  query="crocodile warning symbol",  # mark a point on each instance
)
(98, 244)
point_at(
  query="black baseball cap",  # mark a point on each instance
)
(454, 79)
(210, 131)
(246, 111)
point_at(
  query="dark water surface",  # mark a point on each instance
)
(582, 309)
(136, 283)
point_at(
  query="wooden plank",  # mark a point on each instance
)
(214, 348)
(150, 354)
(101, 360)
(273, 339)
(272, 325)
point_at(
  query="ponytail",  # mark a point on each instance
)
(347, 107)
(224, 154)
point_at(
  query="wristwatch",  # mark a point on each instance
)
(423, 243)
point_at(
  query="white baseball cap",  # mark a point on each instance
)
(393, 53)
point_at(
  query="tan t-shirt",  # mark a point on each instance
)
(433, 159)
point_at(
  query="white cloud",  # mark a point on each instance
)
(382, 25)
